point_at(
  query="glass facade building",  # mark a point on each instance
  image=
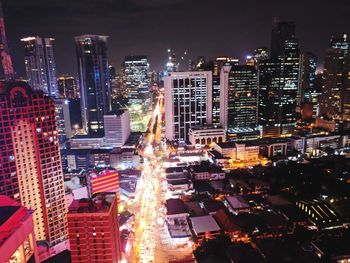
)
(94, 81)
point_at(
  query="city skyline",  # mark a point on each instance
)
(133, 26)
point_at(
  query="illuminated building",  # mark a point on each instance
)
(136, 79)
(94, 229)
(206, 135)
(30, 167)
(67, 87)
(94, 82)
(215, 66)
(99, 181)
(188, 102)
(335, 99)
(308, 92)
(278, 82)
(7, 71)
(239, 97)
(17, 238)
(117, 128)
(64, 127)
(40, 64)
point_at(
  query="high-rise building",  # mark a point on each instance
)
(282, 33)
(188, 102)
(30, 167)
(67, 87)
(215, 66)
(239, 98)
(94, 229)
(335, 93)
(17, 238)
(40, 64)
(136, 79)
(7, 71)
(117, 128)
(64, 127)
(278, 82)
(308, 92)
(94, 81)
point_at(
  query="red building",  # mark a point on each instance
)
(100, 181)
(30, 161)
(17, 238)
(94, 229)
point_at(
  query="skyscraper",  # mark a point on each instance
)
(136, 79)
(67, 87)
(30, 167)
(40, 64)
(7, 71)
(335, 93)
(215, 66)
(188, 102)
(278, 82)
(64, 127)
(94, 82)
(239, 98)
(308, 92)
(94, 229)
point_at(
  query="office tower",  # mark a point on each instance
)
(30, 166)
(137, 81)
(17, 238)
(335, 93)
(64, 127)
(94, 82)
(278, 82)
(7, 71)
(282, 33)
(117, 127)
(308, 92)
(40, 64)
(239, 99)
(260, 53)
(67, 87)
(94, 229)
(188, 102)
(102, 181)
(215, 66)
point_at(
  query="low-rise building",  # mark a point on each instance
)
(205, 171)
(239, 151)
(237, 204)
(204, 226)
(205, 135)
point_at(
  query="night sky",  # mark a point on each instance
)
(150, 27)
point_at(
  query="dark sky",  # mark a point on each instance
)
(149, 27)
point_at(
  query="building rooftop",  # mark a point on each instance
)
(98, 203)
(225, 220)
(12, 216)
(175, 206)
(237, 202)
(203, 224)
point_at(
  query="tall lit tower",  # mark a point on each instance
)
(6, 62)
(94, 81)
(30, 163)
(40, 64)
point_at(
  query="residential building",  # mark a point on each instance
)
(30, 167)
(64, 126)
(40, 64)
